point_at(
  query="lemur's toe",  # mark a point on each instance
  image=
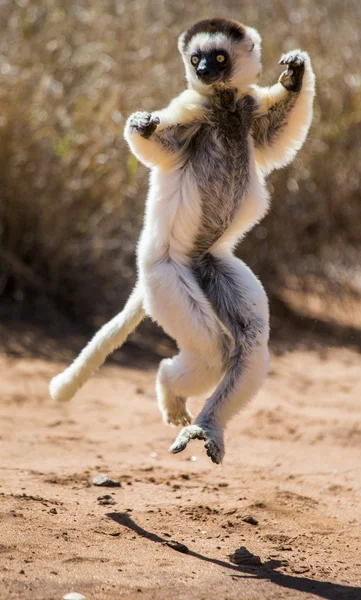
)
(178, 446)
(214, 451)
(191, 432)
(183, 421)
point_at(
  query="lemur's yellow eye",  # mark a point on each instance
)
(195, 59)
(221, 58)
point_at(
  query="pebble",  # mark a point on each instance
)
(242, 556)
(74, 596)
(249, 519)
(106, 500)
(300, 570)
(105, 481)
(177, 546)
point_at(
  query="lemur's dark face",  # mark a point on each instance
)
(220, 51)
(211, 66)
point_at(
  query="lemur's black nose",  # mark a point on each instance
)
(203, 71)
(203, 67)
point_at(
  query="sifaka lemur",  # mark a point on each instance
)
(209, 152)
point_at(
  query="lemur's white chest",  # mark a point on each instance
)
(174, 215)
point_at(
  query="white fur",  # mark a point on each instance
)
(172, 220)
(205, 43)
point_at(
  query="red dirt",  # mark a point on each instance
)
(292, 463)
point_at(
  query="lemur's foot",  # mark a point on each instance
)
(176, 412)
(213, 438)
(292, 78)
(143, 123)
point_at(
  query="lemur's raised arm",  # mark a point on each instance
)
(285, 113)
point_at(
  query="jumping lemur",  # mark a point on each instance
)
(209, 152)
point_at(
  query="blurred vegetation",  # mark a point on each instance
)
(71, 195)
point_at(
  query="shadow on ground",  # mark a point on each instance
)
(267, 570)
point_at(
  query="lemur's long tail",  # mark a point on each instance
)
(112, 335)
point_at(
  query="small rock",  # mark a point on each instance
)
(22, 572)
(242, 556)
(105, 481)
(74, 596)
(299, 570)
(249, 519)
(53, 511)
(106, 500)
(176, 546)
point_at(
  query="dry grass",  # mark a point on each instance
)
(71, 196)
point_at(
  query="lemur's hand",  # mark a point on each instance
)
(143, 123)
(292, 78)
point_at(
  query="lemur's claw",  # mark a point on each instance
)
(143, 123)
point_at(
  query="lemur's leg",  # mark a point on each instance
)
(285, 112)
(241, 384)
(241, 303)
(187, 374)
(174, 298)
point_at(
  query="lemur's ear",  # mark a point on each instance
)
(181, 42)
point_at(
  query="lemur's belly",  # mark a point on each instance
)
(220, 162)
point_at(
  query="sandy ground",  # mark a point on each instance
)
(292, 463)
